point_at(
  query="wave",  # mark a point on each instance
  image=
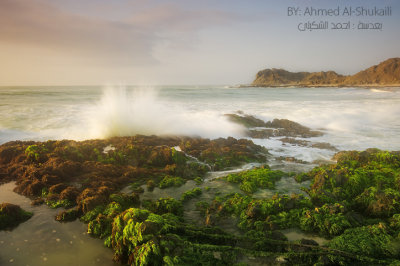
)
(380, 90)
(125, 112)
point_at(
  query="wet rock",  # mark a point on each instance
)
(12, 215)
(245, 120)
(90, 198)
(89, 203)
(290, 159)
(308, 242)
(62, 168)
(49, 180)
(126, 200)
(10, 151)
(224, 153)
(209, 220)
(56, 189)
(160, 156)
(30, 188)
(150, 185)
(324, 145)
(259, 129)
(292, 129)
(69, 193)
(52, 197)
(262, 133)
(37, 202)
(148, 227)
(305, 245)
(253, 211)
(68, 216)
(277, 235)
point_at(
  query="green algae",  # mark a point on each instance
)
(355, 203)
(12, 215)
(190, 194)
(251, 180)
(171, 181)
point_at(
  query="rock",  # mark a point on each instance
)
(56, 189)
(308, 242)
(277, 235)
(224, 153)
(67, 216)
(12, 215)
(90, 198)
(245, 120)
(150, 185)
(386, 73)
(257, 128)
(291, 159)
(37, 202)
(292, 129)
(253, 211)
(49, 180)
(306, 143)
(32, 189)
(149, 228)
(262, 133)
(89, 203)
(305, 245)
(69, 193)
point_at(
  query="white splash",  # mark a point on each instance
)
(124, 112)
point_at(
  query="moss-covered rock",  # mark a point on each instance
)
(171, 181)
(370, 241)
(12, 215)
(251, 180)
(190, 194)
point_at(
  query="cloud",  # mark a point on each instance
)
(127, 42)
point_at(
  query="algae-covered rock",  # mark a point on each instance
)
(257, 128)
(373, 241)
(222, 153)
(251, 180)
(245, 120)
(190, 194)
(12, 215)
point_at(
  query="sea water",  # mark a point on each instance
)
(43, 241)
(350, 118)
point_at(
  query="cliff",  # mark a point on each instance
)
(386, 73)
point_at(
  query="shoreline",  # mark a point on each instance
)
(366, 86)
(168, 190)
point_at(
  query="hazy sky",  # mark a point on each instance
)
(83, 42)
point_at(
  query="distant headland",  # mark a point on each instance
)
(385, 74)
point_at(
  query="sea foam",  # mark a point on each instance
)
(125, 112)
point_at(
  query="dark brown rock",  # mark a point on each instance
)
(56, 189)
(69, 193)
(245, 120)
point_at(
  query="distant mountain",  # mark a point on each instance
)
(386, 73)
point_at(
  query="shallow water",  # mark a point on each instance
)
(296, 234)
(43, 241)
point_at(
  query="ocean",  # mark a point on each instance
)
(350, 118)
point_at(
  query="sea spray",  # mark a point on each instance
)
(125, 112)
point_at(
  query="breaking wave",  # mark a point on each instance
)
(125, 112)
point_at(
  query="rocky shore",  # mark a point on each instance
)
(354, 203)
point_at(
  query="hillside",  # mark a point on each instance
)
(387, 73)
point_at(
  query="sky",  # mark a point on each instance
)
(187, 42)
